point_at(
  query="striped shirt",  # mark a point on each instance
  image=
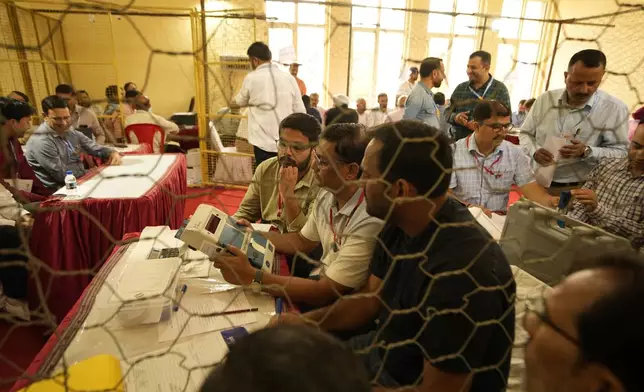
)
(486, 181)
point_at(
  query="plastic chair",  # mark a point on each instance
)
(146, 133)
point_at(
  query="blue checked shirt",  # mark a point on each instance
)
(473, 183)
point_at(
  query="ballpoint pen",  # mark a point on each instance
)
(184, 288)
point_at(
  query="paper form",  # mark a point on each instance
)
(187, 322)
(143, 280)
(545, 174)
(265, 227)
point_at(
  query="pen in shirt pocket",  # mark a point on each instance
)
(574, 136)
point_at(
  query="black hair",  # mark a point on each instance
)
(413, 69)
(53, 102)
(132, 94)
(416, 152)
(21, 95)
(529, 102)
(12, 109)
(305, 123)
(489, 109)
(288, 358)
(306, 100)
(439, 98)
(521, 102)
(429, 65)
(259, 50)
(610, 330)
(486, 58)
(64, 89)
(591, 58)
(350, 141)
(125, 86)
(112, 92)
(341, 115)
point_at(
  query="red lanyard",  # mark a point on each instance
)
(280, 205)
(337, 240)
(487, 169)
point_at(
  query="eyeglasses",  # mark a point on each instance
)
(540, 310)
(497, 127)
(295, 147)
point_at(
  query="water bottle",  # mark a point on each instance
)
(70, 184)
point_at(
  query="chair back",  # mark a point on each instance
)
(145, 133)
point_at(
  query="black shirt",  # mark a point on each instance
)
(450, 279)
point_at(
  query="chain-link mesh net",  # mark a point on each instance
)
(209, 50)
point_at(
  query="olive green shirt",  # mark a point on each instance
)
(261, 201)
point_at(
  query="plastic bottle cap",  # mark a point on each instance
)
(68, 172)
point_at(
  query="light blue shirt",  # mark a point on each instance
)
(602, 124)
(486, 181)
(51, 155)
(420, 106)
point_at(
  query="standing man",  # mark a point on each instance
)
(378, 115)
(81, 117)
(18, 176)
(315, 104)
(420, 103)
(406, 86)
(481, 85)
(271, 95)
(294, 69)
(397, 114)
(594, 123)
(361, 108)
(518, 117)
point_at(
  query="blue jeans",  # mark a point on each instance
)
(372, 360)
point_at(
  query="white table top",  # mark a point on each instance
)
(133, 178)
(97, 336)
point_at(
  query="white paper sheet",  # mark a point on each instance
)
(133, 178)
(164, 373)
(493, 225)
(265, 227)
(195, 269)
(206, 304)
(143, 280)
(545, 174)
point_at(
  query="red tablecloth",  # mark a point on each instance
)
(76, 237)
(49, 356)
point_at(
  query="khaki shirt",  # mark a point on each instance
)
(261, 199)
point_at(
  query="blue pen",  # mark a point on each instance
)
(279, 304)
(184, 288)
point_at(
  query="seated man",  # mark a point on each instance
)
(56, 146)
(283, 358)
(16, 173)
(486, 165)
(442, 291)
(612, 196)
(283, 188)
(81, 117)
(339, 222)
(143, 115)
(583, 334)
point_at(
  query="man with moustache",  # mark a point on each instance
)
(594, 123)
(339, 223)
(612, 197)
(284, 188)
(486, 165)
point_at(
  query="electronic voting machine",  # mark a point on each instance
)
(210, 230)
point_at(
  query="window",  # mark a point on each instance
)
(452, 38)
(377, 49)
(301, 26)
(518, 54)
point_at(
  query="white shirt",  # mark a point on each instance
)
(376, 117)
(348, 264)
(602, 124)
(395, 115)
(145, 117)
(405, 88)
(10, 209)
(271, 95)
(362, 118)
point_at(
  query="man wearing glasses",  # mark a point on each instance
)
(284, 187)
(585, 335)
(486, 165)
(339, 223)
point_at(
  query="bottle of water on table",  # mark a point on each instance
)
(70, 185)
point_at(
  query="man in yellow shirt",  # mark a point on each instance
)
(283, 188)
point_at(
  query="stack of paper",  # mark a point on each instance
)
(493, 225)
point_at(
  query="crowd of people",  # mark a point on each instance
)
(371, 208)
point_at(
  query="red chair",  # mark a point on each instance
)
(146, 133)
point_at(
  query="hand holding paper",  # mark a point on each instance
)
(545, 174)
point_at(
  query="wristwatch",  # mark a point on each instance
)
(587, 152)
(256, 284)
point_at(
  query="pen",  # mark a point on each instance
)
(576, 133)
(184, 288)
(237, 311)
(279, 304)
